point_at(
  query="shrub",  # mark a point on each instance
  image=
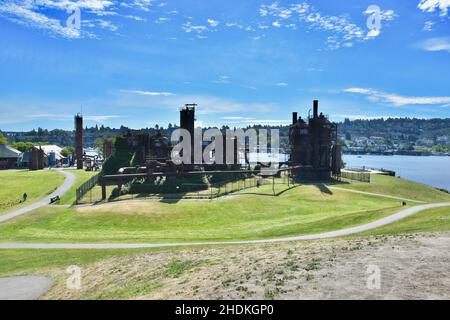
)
(121, 157)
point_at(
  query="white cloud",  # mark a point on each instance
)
(24, 15)
(188, 27)
(433, 5)
(387, 15)
(282, 84)
(435, 44)
(143, 5)
(398, 100)
(107, 25)
(366, 117)
(213, 23)
(62, 117)
(234, 24)
(276, 24)
(101, 118)
(206, 104)
(428, 26)
(223, 80)
(149, 93)
(270, 122)
(35, 14)
(236, 118)
(343, 32)
(161, 20)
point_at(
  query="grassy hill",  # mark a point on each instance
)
(400, 188)
(81, 177)
(302, 210)
(37, 184)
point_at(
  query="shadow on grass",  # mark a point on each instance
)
(280, 193)
(324, 189)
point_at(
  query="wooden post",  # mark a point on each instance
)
(103, 192)
(273, 184)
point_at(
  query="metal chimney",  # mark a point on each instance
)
(294, 118)
(316, 108)
(79, 141)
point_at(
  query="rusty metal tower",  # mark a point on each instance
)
(79, 141)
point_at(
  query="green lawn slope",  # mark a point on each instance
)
(37, 184)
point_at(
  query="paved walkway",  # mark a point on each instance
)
(24, 287)
(376, 194)
(345, 232)
(67, 184)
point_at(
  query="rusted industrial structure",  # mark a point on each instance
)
(313, 146)
(187, 119)
(107, 149)
(79, 141)
(37, 158)
(314, 153)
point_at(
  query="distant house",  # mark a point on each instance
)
(443, 139)
(52, 156)
(8, 157)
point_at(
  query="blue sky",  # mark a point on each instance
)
(137, 62)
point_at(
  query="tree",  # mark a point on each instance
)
(348, 136)
(3, 139)
(68, 151)
(22, 146)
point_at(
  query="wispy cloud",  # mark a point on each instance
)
(342, 31)
(188, 27)
(25, 15)
(428, 26)
(143, 5)
(435, 44)
(149, 93)
(222, 80)
(213, 23)
(206, 104)
(269, 122)
(397, 100)
(62, 117)
(433, 5)
(36, 14)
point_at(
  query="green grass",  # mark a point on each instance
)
(81, 177)
(177, 267)
(302, 210)
(37, 184)
(433, 220)
(17, 262)
(400, 188)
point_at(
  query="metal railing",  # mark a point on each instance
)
(357, 176)
(86, 187)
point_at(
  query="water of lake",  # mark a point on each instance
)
(433, 171)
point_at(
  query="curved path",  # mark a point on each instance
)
(376, 194)
(345, 232)
(67, 184)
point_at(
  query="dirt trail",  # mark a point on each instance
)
(411, 267)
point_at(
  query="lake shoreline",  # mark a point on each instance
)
(430, 170)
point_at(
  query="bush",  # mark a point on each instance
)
(121, 157)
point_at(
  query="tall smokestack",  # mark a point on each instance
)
(79, 141)
(187, 122)
(316, 108)
(294, 118)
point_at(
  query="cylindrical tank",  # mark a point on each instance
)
(52, 158)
